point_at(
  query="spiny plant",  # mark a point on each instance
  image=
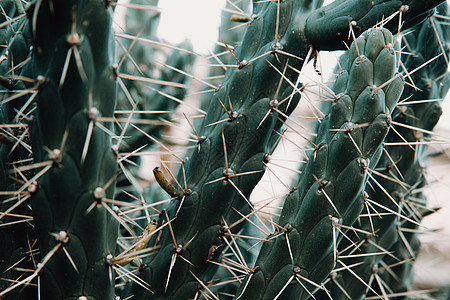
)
(81, 104)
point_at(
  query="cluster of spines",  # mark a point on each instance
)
(148, 100)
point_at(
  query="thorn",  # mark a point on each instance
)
(241, 64)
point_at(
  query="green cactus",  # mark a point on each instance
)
(75, 84)
(329, 191)
(85, 233)
(409, 164)
(435, 86)
(195, 236)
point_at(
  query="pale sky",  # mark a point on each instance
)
(198, 20)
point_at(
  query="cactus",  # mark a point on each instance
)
(74, 164)
(185, 236)
(409, 162)
(329, 191)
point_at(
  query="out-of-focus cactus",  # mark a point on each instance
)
(155, 100)
(60, 178)
(16, 232)
(432, 82)
(152, 84)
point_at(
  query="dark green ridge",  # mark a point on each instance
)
(432, 82)
(73, 54)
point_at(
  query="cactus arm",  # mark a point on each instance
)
(331, 184)
(327, 27)
(72, 59)
(432, 83)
